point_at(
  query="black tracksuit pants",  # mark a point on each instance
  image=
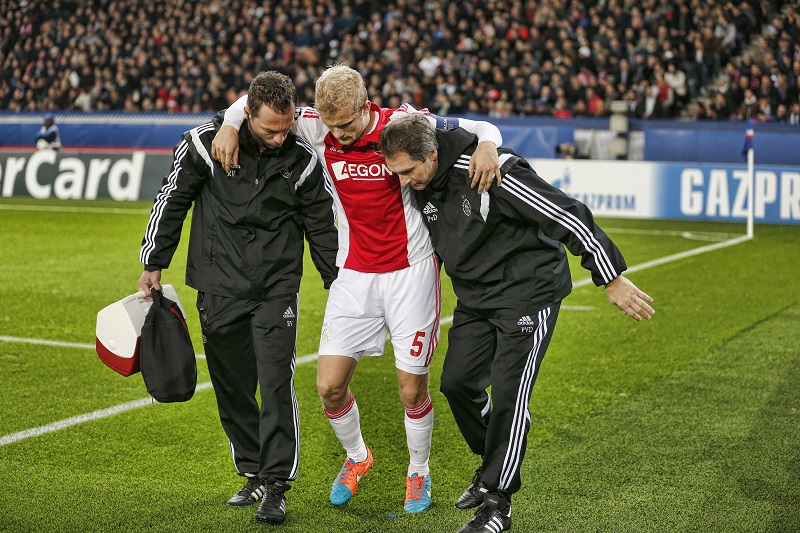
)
(250, 343)
(502, 348)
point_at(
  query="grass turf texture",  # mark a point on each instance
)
(687, 422)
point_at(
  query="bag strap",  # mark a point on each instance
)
(168, 305)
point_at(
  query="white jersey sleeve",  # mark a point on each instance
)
(234, 115)
(307, 124)
(485, 131)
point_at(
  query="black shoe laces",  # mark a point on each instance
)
(275, 490)
(250, 487)
(485, 514)
(476, 480)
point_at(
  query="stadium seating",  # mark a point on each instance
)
(698, 59)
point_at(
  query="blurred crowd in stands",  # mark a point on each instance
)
(699, 59)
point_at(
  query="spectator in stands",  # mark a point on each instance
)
(764, 110)
(725, 31)
(595, 105)
(561, 109)
(782, 92)
(794, 115)
(95, 59)
(632, 102)
(699, 111)
(665, 94)
(677, 81)
(704, 63)
(623, 75)
(48, 137)
(720, 108)
(781, 114)
(736, 93)
(650, 105)
(749, 105)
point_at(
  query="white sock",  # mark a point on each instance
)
(346, 425)
(419, 429)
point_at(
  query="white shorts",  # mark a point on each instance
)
(362, 306)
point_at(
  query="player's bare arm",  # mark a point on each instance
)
(484, 165)
(629, 299)
(225, 147)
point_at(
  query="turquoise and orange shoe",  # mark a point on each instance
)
(346, 483)
(418, 493)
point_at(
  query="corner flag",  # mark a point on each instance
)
(749, 134)
(749, 153)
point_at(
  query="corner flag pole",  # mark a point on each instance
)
(750, 152)
(751, 184)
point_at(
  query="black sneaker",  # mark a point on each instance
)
(493, 516)
(273, 507)
(473, 496)
(250, 493)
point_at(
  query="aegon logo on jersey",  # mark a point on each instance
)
(343, 170)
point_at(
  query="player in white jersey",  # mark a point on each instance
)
(388, 274)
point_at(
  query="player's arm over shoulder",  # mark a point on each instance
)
(485, 131)
(308, 125)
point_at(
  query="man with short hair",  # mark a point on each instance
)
(245, 259)
(504, 252)
(388, 277)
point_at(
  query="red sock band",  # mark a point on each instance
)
(344, 411)
(421, 410)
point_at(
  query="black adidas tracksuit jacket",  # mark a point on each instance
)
(504, 251)
(245, 259)
(247, 230)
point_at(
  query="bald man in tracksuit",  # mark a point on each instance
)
(505, 253)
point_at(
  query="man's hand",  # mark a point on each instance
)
(484, 166)
(225, 147)
(148, 280)
(629, 299)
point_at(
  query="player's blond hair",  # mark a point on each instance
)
(340, 87)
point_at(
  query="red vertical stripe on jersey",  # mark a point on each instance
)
(434, 342)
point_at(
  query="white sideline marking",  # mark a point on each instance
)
(68, 209)
(104, 413)
(678, 256)
(696, 236)
(47, 343)
(80, 419)
(61, 344)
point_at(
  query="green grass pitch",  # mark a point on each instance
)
(689, 422)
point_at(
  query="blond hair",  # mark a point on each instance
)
(340, 87)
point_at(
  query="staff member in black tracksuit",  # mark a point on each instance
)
(245, 259)
(504, 251)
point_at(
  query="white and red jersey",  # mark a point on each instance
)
(380, 230)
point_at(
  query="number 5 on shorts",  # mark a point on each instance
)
(416, 346)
